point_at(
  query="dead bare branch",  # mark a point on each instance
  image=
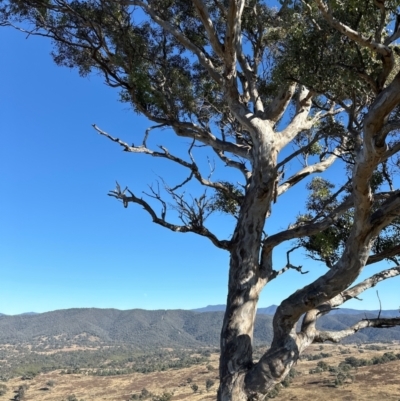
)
(337, 336)
(194, 226)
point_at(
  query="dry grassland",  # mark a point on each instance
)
(375, 382)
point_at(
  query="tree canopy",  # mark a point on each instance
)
(263, 86)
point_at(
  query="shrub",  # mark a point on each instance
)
(274, 392)
(323, 365)
(162, 397)
(209, 384)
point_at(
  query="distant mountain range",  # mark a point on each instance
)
(270, 310)
(165, 328)
(21, 314)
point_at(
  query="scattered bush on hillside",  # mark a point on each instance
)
(285, 383)
(21, 392)
(342, 372)
(144, 395)
(374, 347)
(343, 377)
(288, 380)
(345, 351)
(3, 389)
(162, 397)
(29, 375)
(209, 384)
(376, 360)
(110, 360)
(321, 355)
(274, 392)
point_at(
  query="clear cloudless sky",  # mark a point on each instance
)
(64, 243)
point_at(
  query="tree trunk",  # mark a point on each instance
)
(245, 283)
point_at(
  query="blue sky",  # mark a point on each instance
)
(63, 242)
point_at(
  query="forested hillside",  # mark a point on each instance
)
(161, 328)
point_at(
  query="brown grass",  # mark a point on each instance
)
(376, 382)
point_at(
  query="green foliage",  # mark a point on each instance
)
(227, 202)
(333, 64)
(323, 365)
(355, 362)
(342, 371)
(325, 245)
(374, 347)
(315, 357)
(288, 379)
(341, 377)
(209, 384)
(274, 392)
(345, 351)
(194, 387)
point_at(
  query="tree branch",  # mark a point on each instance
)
(203, 59)
(165, 154)
(386, 213)
(382, 49)
(337, 336)
(306, 171)
(208, 25)
(299, 151)
(386, 254)
(288, 266)
(187, 130)
(300, 121)
(278, 106)
(356, 290)
(232, 38)
(190, 130)
(395, 148)
(201, 230)
(235, 164)
(307, 229)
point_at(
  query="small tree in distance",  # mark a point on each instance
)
(260, 84)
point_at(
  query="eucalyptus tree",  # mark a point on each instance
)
(260, 84)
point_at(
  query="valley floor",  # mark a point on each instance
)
(318, 377)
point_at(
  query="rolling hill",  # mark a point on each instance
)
(161, 328)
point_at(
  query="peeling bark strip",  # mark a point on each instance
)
(248, 81)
